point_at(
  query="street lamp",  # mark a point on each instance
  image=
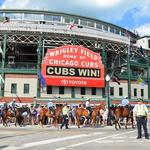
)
(107, 78)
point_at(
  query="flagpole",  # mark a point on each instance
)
(129, 70)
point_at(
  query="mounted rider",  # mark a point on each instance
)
(50, 106)
(125, 101)
(14, 106)
(5, 106)
(125, 104)
(88, 106)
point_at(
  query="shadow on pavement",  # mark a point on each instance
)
(4, 146)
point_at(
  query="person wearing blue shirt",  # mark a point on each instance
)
(125, 102)
(50, 106)
(14, 106)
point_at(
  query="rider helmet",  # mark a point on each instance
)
(140, 100)
(125, 97)
(14, 100)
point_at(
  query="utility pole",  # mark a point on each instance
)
(3, 63)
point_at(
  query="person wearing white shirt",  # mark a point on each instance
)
(88, 106)
(140, 113)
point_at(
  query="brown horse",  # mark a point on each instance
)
(81, 112)
(7, 114)
(121, 112)
(44, 112)
(20, 111)
(96, 111)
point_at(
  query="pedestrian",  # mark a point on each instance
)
(65, 115)
(74, 109)
(148, 120)
(104, 115)
(33, 112)
(140, 113)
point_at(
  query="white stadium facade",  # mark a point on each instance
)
(74, 54)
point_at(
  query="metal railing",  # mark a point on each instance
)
(19, 67)
(63, 29)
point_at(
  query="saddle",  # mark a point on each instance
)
(90, 112)
(52, 111)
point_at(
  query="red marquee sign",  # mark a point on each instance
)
(73, 65)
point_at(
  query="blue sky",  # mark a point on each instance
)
(129, 14)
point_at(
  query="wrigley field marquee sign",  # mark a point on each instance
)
(73, 65)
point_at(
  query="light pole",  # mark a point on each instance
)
(107, 78)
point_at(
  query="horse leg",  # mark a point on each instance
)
(78, 122)
(132, 121)
(85, 121)
(4, 122)
(15, 120)
(6, 119)
(119, 124)
(116, 122)
(75, 120)
(55, 121)
(42, 122)
(126, 123)
(93, 121)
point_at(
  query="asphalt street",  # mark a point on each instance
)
(50, 138)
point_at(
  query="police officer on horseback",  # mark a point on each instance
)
(14, 106)
(125, 102)
(88, 106)
(50, 106)
(5, 106)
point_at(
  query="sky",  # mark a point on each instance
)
(133, 15)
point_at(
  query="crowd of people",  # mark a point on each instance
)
(68, 110)
(140, 111)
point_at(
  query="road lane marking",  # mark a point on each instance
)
(62, 148)
(109, 141)
(122, 137)
(95, 140)
(27, 145)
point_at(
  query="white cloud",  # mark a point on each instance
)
(15, 4)
(107, 10)
(56, 3)
(100, 3)
(101, 9)
(143, 29)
